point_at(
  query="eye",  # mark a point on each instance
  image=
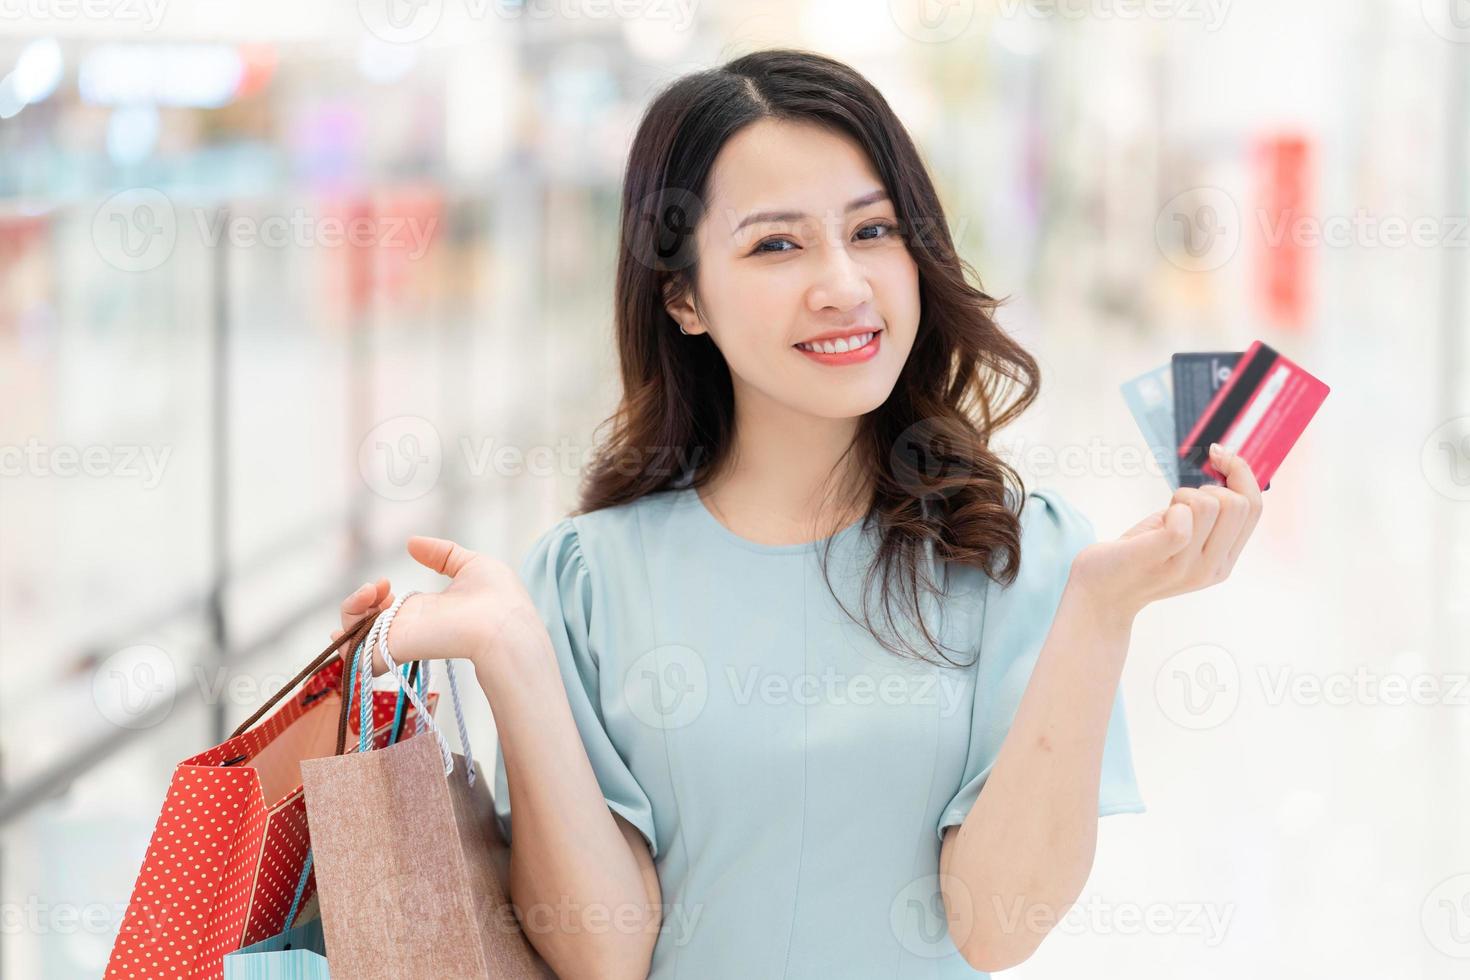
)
(760, 248)
(887, 229)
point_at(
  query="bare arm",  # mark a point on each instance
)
(582, 879)
(1019, 860)
(1021, 857)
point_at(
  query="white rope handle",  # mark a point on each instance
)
(425, 719)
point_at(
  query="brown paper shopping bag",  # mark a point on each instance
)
(411, 871)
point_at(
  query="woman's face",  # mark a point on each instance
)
(799, 240)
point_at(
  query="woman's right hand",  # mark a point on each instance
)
(468, 620)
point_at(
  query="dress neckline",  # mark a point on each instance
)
(702, 511)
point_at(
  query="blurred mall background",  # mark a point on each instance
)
(248, 248)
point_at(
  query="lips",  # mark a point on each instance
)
(860, 354)
(839, 341)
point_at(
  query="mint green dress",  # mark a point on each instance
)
(793, 779)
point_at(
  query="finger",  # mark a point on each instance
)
(1178, 530)
(1173, 528)
(378, 665)
(1241, 478)
(394, 639)
(1237, 472)
(358, 604)
(1233, 513)
(440, 554)
(1205, 510)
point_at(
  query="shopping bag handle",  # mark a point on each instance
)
(416, 692)
(354, 634)
(351, 666)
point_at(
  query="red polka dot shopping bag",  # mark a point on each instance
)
(230, 844)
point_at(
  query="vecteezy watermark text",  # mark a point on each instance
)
(35, 458)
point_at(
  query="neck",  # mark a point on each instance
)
(782, 478)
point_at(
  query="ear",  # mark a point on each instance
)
(679, 302)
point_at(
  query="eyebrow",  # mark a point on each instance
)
(861, 202)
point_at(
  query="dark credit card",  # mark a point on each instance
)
(1260, 413)
(1197, 379)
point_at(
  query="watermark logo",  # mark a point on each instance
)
(138, 229)
(400, 21)
(1450, 19)
(1445, 916)
(299, 228)
(932, 21)
(1207, 921)
(920, 921)
(1201, 686)
(1198, 687)
(662, 231)
(35, 917)
(925, 460)
(411, 21)
(401, 459)
(126, 462)
(667, 687)
(1445, 459)
(135, 230)
(138, 687)
(945, 690)
(1199, 230)
(1211, 13)
(1041, 461)
(142, 15)
(134, 688)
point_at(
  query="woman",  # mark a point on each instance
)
(720, 763)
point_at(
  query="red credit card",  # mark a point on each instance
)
(1259, 414)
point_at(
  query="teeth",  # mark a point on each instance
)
(838, 346)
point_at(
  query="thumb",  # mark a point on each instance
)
(439, 554)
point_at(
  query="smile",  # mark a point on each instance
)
(841, 344)
(843, 350)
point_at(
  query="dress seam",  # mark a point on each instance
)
(805, 720)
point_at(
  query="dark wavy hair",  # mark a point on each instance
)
(932, 485)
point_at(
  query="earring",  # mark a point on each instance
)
(683, 331)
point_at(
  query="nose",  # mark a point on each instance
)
(842, 282)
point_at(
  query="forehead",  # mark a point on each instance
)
(778, 165)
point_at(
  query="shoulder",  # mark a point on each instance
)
(584, 574)
(601, 540)
(1053, 531)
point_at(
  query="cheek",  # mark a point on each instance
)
(750, 312)
(895, 280)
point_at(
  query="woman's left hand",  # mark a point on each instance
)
(1190, 544)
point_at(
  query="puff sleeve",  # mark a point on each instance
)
(556, 574)
(1016, 621)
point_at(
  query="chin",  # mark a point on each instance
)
(843, 404)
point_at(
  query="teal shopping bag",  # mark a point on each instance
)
(296, 954)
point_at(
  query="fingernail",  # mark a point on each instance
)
(365, 585)
(1216, 450)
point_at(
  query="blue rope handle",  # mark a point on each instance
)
(300, 890)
